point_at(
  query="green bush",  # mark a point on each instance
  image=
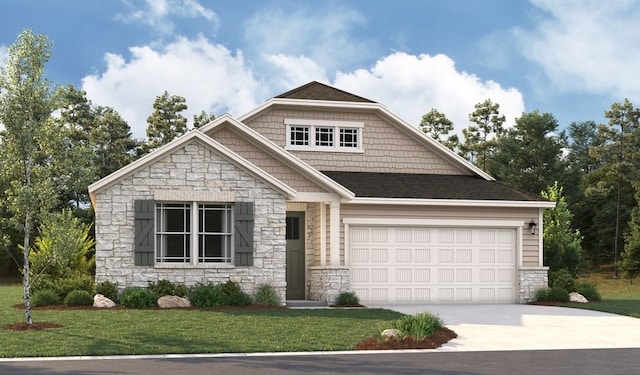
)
(78, 298)
(138, 298)
(562, 279)
(558, 294)
(108, 289)
(167, 288)
(226, 294)
(45, 297)
(266, 295)
(347, 299)
(419, 326)
(589, 292)
(542, 295)
(63, 285)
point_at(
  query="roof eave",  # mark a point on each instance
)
(452, 202)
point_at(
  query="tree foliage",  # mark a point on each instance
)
(29, 140)
(166, 122)
(438, 126)
(630, 264)
(529, 155)
(480, 140)
(562, 244)
(202, 119)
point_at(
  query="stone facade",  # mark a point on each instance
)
(530, 280)
(193, 172)
(325, 283)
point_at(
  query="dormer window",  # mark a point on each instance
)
(323, 135)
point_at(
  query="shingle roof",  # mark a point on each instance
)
(427, 186)
(318, 91)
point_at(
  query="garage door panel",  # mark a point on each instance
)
(420, 265)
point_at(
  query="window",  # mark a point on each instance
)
(324, 135)
(181, 225)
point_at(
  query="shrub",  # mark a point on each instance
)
(78, 298)
(108, 289)
(266, 295)
(347, 299)
(167, 288)
(562, 279)
(234, 295)
(138, 298)
(63, 285)
(45, 297)
(542, 295)
(589, 292)
(205, 295)
(226, 294)
(419, 326)
(558, 294)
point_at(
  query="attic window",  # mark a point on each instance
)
(323, 135)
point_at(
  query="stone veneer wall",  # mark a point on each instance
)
(191, 173)
(530, 279)
(325, 283)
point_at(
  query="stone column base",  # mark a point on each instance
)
(530, 279)
(326, 283)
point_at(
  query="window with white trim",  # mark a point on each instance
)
(324, 135)
(194, 233)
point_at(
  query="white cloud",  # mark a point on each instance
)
(208, 76)
(291, 71)
(411, 85)
(324, 36)
(590, 45)
(157, 13)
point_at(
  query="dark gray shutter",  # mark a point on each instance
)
(144, 232)
(243, 224)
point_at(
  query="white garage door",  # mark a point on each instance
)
(433, 265)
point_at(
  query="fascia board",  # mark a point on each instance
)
(451, 202)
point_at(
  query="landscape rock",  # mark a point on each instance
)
(102, 302)
(577, 297)
(169, 302)
(390, 332)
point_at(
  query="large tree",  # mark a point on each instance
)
(618, 151)
(166, 122)
(529, 156)
(438, 126)
(26, 104)
(480, 140)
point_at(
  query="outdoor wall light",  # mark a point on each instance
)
(532, 226)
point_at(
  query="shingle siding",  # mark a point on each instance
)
(386, 147)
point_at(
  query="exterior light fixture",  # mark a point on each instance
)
(532, 226)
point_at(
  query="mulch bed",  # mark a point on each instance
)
(441, 337)
(35, 326)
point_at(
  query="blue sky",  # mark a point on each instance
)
(570, 58)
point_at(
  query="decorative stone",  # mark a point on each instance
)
(102, 302)
(168, 302)
(390, 332)
(577, 297)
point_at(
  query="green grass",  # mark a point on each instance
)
(113, 332)
(619, 295)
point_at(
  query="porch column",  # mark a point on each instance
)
(334, 233)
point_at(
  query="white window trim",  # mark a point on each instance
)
(335, 125)
(194, 247)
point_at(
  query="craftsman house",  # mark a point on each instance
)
(319, 191)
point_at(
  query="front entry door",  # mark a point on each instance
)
(295, 256)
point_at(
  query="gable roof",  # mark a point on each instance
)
(430, 186)
(191, 136)
(318, 91)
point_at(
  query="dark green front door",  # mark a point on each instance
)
(295, 256)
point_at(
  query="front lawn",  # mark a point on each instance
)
(619, 295)
(113, 332)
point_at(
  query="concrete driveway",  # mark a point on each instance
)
(530, 327)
